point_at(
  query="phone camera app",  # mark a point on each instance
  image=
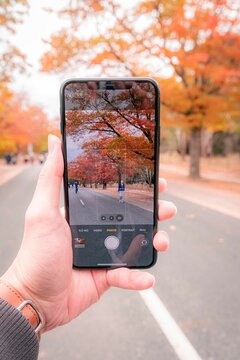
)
(110, 144)
(144, 242)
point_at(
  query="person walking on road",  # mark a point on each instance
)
(121, 191)
(76, 187)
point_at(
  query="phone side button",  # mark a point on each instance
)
(111, 242)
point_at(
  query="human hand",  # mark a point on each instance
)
(42, 270)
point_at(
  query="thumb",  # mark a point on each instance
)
(47, 193)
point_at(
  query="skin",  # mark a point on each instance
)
(42, 270)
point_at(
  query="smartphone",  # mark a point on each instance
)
(110, 133)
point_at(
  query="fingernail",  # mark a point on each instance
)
(51, 143)
(165, 234)
(173, 207)
(163, 181)
(147, 280)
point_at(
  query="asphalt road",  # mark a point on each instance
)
(88, 206)
(197, 280)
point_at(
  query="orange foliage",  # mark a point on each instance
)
(197, 42)
(21, 125)
(11, 59)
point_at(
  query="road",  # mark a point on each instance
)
(90, 207)
(197, 280)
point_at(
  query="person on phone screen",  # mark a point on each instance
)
(121, 191)
(41, 290)
(76, 186)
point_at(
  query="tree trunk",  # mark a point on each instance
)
(181, 142)
(206, 143)
(228, 145)
(195, 152)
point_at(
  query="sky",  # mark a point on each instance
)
(40, 88)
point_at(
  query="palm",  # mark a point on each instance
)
(72, 291)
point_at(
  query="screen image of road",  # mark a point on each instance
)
(110, 137)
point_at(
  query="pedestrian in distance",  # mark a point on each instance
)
(76, 186)
(121, 191)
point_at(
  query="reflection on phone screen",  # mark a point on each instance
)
(110, 149)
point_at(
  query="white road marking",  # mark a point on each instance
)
(181, 345)
(81, 202)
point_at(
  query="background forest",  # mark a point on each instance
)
(189, 47)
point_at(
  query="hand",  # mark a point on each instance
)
(42, 270)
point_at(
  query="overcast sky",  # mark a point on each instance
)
(41, 88)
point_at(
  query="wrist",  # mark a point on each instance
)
(16, 294)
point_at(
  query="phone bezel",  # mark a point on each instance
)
(156, 162)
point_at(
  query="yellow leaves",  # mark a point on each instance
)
(96, 5)
(5, 96)
(11, 59)
(7, 144)
(64, 46)
(146, 7)
(12, 12)
(198, 40)
(96, 40)
(21, 125)
(102, 56)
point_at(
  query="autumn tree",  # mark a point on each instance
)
(22, 125)
(11, 59)
(189, 46)
(92, 168)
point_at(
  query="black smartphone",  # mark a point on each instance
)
(110, 132)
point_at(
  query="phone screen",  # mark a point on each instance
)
(110, 134)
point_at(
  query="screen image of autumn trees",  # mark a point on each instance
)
(114, 131)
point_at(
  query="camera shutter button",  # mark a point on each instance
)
(111, 242)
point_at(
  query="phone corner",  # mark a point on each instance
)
(64, 84)
(154, 83)
(154, 261)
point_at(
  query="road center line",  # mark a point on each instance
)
(181, 345)
(81, 202)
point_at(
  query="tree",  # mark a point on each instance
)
(22, 125)
(195, 42)
(11, 59)
(92, 167)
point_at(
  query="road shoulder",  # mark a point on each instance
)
(220, 196)
(8, 172)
